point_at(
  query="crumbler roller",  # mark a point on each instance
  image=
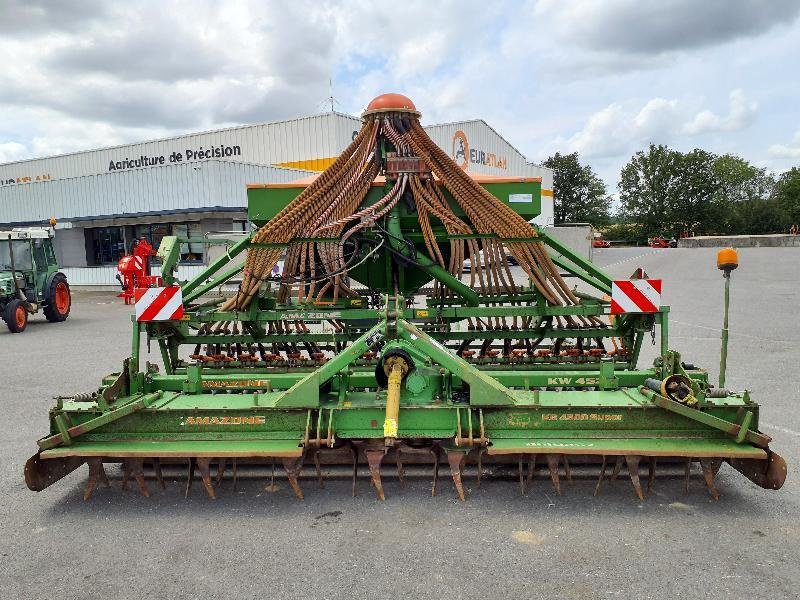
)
(372, 347)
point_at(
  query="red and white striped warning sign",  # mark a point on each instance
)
(159, 304)
(635, 296)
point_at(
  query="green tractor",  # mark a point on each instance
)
(30, 279)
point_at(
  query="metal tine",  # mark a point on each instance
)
(456, 459)
(436, 459)
(710, 468)
(97, 474)
(158, 474)
(651, 474)
(521, 478)
(617, 468)
(204, 466)
(401, 474)
(687, 471)
(374, 459)
(190, 477)
(632, 461)
(293, 468)
(480, 466)
(567, 470)
(318, 467)
(354, 451)
(552, 464)
(134, 467)
(221, 466)
(531, 470)
(235, 474)
(602, 474)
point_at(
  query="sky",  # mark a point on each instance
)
(604, 79)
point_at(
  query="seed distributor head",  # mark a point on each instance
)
(391, 103)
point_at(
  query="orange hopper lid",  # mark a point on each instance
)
(391, 103)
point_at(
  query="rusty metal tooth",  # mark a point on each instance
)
(158, 474)
(710, 467)
(651, 474)
(97, 474)
(235, 474)
(552, 465)
(521, 478)
(318, 468)
(190, 477)
(456, 460)
(401, 473)
(354, 451)
(531, 470)
(632, 461)
(436, 459)
(480, 466)
(134, 467)
(374, 459)
(567, 470)
(204, 466)
(293, 467)
(687, 471)
(221, 466)
(602, 474)
(617, 468)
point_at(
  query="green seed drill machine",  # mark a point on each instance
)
(373, 343)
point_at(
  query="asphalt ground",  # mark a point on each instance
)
(255, 542)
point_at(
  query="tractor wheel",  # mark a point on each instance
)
(15, 316)
(59, 299)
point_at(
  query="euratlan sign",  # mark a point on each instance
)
(464, 155)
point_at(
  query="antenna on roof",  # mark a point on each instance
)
(330, 99)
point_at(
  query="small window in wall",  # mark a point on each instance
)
(107, 245)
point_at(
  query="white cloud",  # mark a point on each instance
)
(11, 151)
(618, 129)
(785, 151)
(742, 113)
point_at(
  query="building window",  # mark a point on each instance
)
(190, 252)
(107, 244)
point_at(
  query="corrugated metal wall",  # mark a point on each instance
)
(106, 276)
(319, 136)
(212, 183)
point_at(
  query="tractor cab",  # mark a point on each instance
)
(30, 279)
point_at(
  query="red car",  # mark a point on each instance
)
(601, 243)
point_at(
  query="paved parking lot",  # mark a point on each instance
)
(497, 544)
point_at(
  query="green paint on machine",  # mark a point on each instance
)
(419, 363)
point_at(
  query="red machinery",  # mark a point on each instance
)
(134, 271)
(662, 242)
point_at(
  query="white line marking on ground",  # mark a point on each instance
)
(781, 429)
(629, 259)
(733, 333)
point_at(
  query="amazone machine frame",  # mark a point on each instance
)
(370, 344)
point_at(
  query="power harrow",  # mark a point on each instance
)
(373, 346)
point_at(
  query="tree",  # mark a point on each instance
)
(580, 195)
(668, 192)
(742, 203)
(787, 197)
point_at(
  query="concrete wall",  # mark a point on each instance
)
(781, 240)
(577, 237)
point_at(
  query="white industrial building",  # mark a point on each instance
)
(195, 184)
